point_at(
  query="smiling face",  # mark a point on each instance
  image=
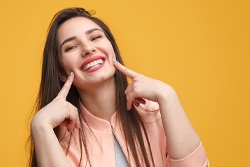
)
(85, 50)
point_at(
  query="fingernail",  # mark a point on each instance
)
(71, 73)
(114, 60)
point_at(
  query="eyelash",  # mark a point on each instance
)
(92, 39)
(96, 37)
(70, 48)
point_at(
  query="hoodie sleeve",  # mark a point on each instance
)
(197, 158)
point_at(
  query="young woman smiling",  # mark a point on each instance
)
(88, 114)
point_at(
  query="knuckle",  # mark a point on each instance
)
(136, 91)
(130, 97)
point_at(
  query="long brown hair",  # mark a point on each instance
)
(132, 125)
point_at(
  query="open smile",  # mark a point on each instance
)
(93, 64)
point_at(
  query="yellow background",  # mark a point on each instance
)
(200, 47)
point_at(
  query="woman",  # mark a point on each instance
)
(88, 114)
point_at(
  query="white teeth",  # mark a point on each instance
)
(92, 64)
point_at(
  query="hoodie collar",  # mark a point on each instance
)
(96, 122)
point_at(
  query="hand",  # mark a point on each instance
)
(141, 87)
(59, 111)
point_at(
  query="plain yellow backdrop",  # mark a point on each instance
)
(200, 47)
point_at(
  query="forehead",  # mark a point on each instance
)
(76, 26)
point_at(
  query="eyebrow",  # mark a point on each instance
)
(74, 37)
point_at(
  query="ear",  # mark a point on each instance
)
(62, 77)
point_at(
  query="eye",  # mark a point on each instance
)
(70, 48)
(96, 37)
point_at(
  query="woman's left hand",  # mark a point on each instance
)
(141, 87)
(182, 139)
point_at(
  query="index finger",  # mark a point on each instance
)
(66, 87)
(126, 71)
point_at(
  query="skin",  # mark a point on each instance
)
(181, 137)
(94, 87)
(98, 86)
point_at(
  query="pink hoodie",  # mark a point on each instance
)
(100, 142)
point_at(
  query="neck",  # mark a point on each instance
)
(100, 99)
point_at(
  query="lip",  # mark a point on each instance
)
(93, 58)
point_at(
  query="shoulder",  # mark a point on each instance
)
(150, 111)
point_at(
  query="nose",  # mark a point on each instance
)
(88, 50)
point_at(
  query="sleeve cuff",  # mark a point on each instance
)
(197, 158)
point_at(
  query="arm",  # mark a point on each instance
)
(182, 139)
(49, 152)
(47, 148)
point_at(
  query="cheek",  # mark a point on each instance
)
(113, 69)
(112, 54)
(67, 64)
(107, 47)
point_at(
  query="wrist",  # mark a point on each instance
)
(166, 94)
(39, 126)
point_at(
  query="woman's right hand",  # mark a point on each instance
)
(59, 111)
